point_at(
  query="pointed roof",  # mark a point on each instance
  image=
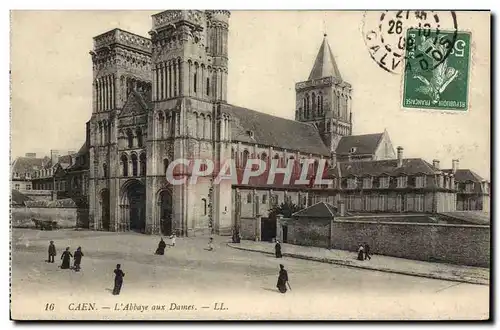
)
(324, 65)
(318, 210)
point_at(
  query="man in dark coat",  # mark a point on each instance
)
(277, 249)
(66, 258)
(119, 274)
(367, 252)
(282, 279)
(161, 247)
(78, 259)
(52, 252)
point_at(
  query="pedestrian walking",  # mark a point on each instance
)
(78, 259)
(161, 247)
(282, 279)
(277, 249)
(52, 252)
(360, 252)
(119, 274)
(66, 259)
(210, 244)
(172, 239)
(367, 252)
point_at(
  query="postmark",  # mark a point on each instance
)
(384, 34)
(431, 79)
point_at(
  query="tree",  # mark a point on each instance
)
(286, 209)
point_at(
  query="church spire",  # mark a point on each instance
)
(324, 65)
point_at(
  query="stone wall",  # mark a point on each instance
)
(248, 229)
(457, 244)
(305, 231)
(65, 217)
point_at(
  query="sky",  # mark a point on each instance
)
(269, 51)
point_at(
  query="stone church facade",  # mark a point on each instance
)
(164, 98)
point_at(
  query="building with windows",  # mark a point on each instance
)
(163, 98)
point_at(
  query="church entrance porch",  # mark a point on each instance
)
(133, 206)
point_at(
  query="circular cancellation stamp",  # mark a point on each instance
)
(387, 37)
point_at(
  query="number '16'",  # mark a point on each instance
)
(49, 307)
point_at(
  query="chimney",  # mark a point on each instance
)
(455, 163)
(400, 156)
(54, 156)
(435, 163)
(30, 155)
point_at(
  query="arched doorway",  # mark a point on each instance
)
(134, 204)
(165, 207)
(105, 209)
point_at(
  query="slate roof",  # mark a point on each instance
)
(364, 144)
(135, 104)
(29, 165)
(66, 159)
(275, 131)
(464, 175)
(324, 65)
(318, 210)
(410, 166)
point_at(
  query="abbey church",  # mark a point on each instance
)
(163, 98)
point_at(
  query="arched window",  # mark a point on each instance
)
(263, 157)
(130, 138)
(138, 132)
(304, 107)
(208, 86)
(124, 161)
(278, 163)
(320, 106)
(134, 165)
(165, 165)
(143, 164)
(105, 170)
(195, 79)
(204, 206)
(313, 100)
(245, 158)
(249, 198)
(321, 102)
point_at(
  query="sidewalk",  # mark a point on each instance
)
(440, 271)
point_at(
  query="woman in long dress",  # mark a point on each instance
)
(66, 258)
(119, 274)
(360, 252)
(282, 279)
(161, 247)
(277, 249)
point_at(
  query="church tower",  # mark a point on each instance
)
(190, 67)
(121, 64)
(324, 99)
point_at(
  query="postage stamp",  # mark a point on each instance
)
(433, 80)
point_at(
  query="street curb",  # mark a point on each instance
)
(349, 264)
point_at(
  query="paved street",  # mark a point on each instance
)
(244, 281)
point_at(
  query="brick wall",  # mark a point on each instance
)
(457, 244)
(65, 217)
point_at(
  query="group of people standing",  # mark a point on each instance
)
(66, 257)
(364, 252)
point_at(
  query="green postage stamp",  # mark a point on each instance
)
(436, 72)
